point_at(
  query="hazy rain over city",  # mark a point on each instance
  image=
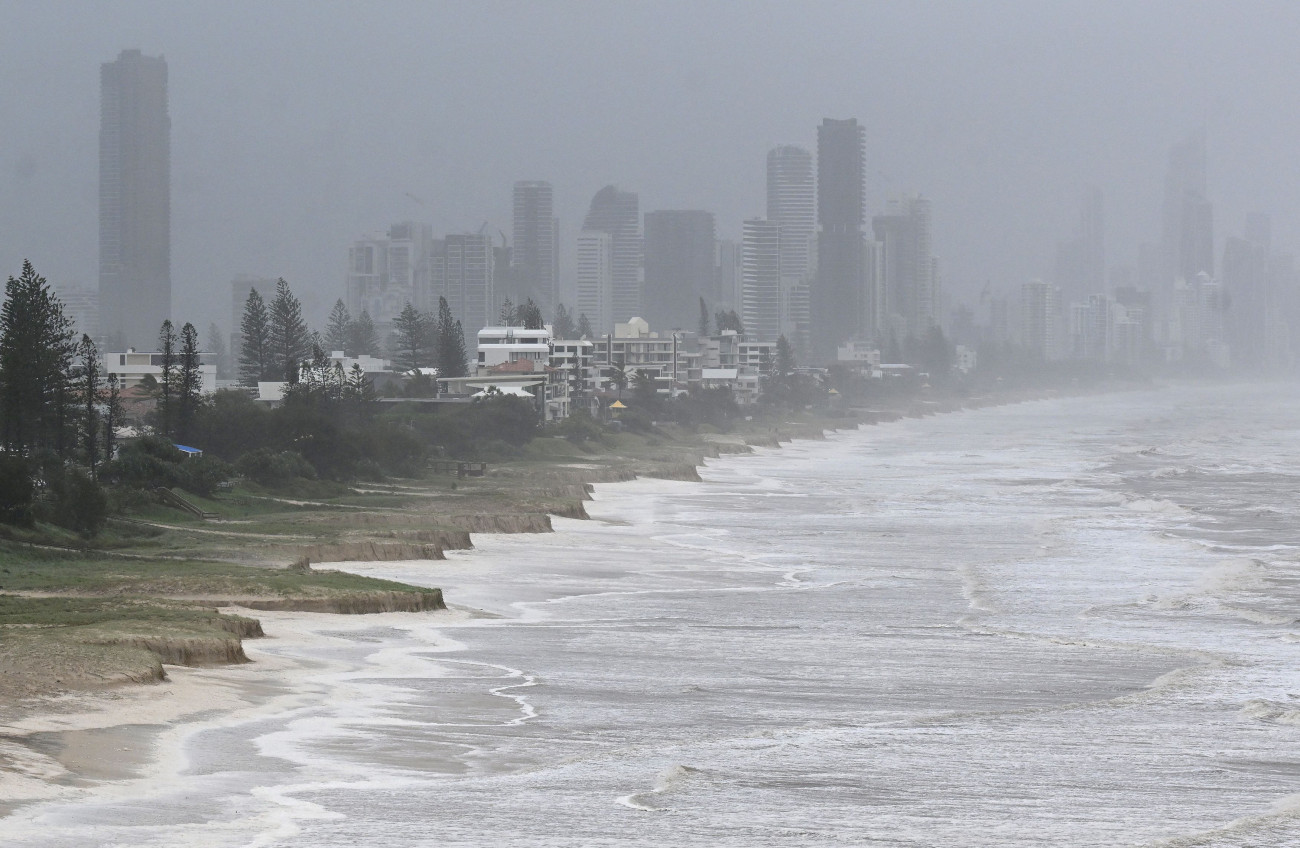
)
(298, 127)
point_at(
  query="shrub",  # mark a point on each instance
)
(270, 468)
(79, 503)
(201, 474)
(579, 427)
(146, 463)
(16, 490)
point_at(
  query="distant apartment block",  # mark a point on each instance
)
(387, 272)
(1039, 318)
(595, 280)
(761, 291)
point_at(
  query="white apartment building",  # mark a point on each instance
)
(131, 368)
(576, 358)
(595, 279)
(673, 360)
(387, 272)
(498, 345)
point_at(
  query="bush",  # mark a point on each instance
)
(202, 474)
(270, 468)
(579, 427)
(146, 463)
(79, 503)
(16, 490)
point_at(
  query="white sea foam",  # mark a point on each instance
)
(916, 641)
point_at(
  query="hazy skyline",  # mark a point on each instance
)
(298, 127)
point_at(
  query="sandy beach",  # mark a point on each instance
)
(109, 742)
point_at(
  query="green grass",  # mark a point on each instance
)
(35, 570)
(77, 612)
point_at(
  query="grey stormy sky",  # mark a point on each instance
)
(298, 126)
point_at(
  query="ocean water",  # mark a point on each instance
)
(1067, 622)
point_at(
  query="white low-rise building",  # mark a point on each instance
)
(131, 369)
(500, 345)
(859, 355)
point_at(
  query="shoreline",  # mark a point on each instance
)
(54, 749)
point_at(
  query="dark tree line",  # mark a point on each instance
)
(274, 339)
(276, 343)
(421, 340)
(53, 417)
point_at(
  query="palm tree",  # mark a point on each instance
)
(619, 377)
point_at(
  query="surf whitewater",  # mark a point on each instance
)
(1060, 622)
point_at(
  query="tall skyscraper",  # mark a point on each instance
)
(792, 205)
(727, 274)
(761, 280)
(910, 297)
(1187, 236)
(595, 280)
(135, 286)
(463, 272)
(679, 267)
(841, 188)
(619, 214)
(1256, 309)
(535, 252)
(1081, 261)
(1038, 318)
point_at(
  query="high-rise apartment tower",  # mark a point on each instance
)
(535, 253)
(619, 214)
(679, 267)
(135, 286)
(841, 276)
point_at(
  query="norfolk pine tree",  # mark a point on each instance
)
(508, 315)
(254, 347)
(189, 381)
(217, 347)
(411, 339)
(362, 338)
(529, 315)
(91, 380)
(288, 338)
(112, 415)
(338, 330)
(451, 343)
(563, 327)
(167, 380)
(36, 348)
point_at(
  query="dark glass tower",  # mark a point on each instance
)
(535, 255)
(679, 267)
(135, 287)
